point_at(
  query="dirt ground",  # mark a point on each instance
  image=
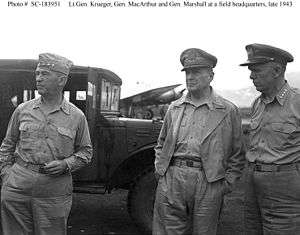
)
(107, 214)
(101, 214)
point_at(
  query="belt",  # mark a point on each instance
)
(33, 167)
(188, 163)
(274, 167)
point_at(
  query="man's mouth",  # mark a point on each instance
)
(256, 84)
(190, 84)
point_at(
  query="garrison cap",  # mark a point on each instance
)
(55, 63)
(194, 57)
(261, 54)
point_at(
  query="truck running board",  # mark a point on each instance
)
(92, 189)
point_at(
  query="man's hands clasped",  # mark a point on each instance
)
(55, 168)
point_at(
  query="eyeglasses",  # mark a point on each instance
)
(42, 73)
(46, 73)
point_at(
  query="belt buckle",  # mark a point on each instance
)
(258, 167)
(277, 168)
(189, 163)
(41, 169)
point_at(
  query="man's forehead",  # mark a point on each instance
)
(198, 69)
(258, 66)
(43, 70)
(47, 71)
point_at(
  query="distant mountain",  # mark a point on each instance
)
(294, 79)
(245, 96)
(242, 97)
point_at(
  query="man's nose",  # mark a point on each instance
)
(38, 77)
(253, 76)
(189, 76)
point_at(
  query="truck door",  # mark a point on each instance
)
(90, 172)
(91, 99)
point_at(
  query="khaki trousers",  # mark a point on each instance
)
(186, 203)
(272, 202)
(34, 203)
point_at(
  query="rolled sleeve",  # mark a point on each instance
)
(83, 147)
(9, 143)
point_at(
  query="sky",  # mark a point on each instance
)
(143, 45)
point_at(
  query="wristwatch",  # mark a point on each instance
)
(67, 168)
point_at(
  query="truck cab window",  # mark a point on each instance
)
(67, 95)
(115, 98)
(80, 95)
(14, 101)
(27, 95)
(110, 96)
(106, 95)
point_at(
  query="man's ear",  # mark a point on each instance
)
(277, 70)
(63, 80)
(212, 74)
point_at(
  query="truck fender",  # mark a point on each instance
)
(129, 169)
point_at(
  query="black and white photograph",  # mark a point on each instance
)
(132, 117)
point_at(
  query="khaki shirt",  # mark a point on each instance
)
(191, 128)
(38, 138)
(274, 128)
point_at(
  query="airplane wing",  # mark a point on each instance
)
(161, 95)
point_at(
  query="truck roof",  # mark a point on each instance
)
(29, 65)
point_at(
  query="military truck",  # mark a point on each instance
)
(123, 147)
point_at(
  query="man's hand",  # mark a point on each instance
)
(56, 167)
(5, 172)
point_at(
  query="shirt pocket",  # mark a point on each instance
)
(66, 133)
(284, 128)
(30, 130)
(30, 136)
(280, 134)
(66, 140)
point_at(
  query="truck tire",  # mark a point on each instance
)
(140, 201)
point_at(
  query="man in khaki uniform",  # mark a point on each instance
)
(199, 154)
(46, 139)
(272, 197)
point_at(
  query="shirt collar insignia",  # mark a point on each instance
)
(282, 94)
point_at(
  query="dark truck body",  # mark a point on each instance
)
(123, 153)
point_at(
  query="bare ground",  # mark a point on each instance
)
(107, 214)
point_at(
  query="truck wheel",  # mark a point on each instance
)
(141, 198)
